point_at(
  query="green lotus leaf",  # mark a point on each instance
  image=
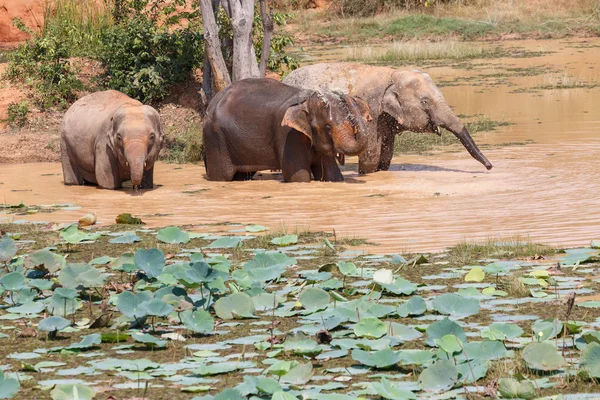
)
(400, 287)
(476, 274)
(285, 240)
(8, 248)
(590, 360)
(387, 390)
(226, 243)
(13, 281)
(455, 305)
(415, 306)
(157, 307)
(234, 306)
(73, 235)
(510, 388)
(439, 377)
(53, 324)
(381, 359)
(148, 340)
(126, 238)
(542, 356)
(267, 301)
(132, 305)
(370, 327)
(314, 299)
(444, 327)
(151, 261)
(198, 321)
(72, 391)
(172, 235)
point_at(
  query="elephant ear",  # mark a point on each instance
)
(111, 134)
(296, 117)
(363, 106)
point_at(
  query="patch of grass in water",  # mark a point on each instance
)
(565, 81)
(466, 253)
(421, 143)
(427, 25)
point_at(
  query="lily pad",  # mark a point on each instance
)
(285, 240)
(444, 327)
(226, 243)
(72, 391)
(8, 248)
(53, 324)
(387, 390)
(73, 235)
(415, 306)
(385, 358)
(198, 321)
(455, 305)
(590, 360)
(50, 261)
(234, 306)
(370, 327)
(126, 238)
(476, 274)
(151, 261)
(8, 386)
(543, 356)
(510, 388)
(172, 235)
(439, 377)
(313, 299)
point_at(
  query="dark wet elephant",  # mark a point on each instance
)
(263, 124)
(107, 138)
(398, 100)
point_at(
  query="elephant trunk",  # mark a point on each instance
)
(136, 155)
(451, 122)
(356, 143)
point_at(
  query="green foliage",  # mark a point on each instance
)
(42, 64)
(142, 58)
(18, 114)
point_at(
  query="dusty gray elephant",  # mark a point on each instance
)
(399, 100)
(107, 138)
(261, 124)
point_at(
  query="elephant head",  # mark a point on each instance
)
(416, 103)
(136, 137)
(334, 123)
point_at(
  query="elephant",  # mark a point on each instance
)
(399, 101)
(262, 124)
(107, 138)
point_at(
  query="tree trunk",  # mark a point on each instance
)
(213, 46)
(244, 57)
(268, 28)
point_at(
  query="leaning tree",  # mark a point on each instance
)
(240, 14)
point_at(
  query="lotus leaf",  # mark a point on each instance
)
(73, 235)
(415, 306)
(226, 243)
(281, 395)
(381, 359)
(228, 394)
(476, 274)
(590, 360)
(61, 303)
(132, 305)
(416, 357)
(157, 307)
(472, 371)
(72, 391)
(256, 228)
(444, 327)
(298, 375)
(302, 345)
(347, 268)
(53, 324)
(285, 240)
(542, 356)
(370, 327)
(267, 301)
(126, 238)
(88, 341)
(77, 276)
(314, 299)
(234, 306)
(486, 350)
(455, 305)
(8, 248)
(29, 307)
(148, 340)
(510, 331)
(172, 235)
(13, 281)
(400, 287)
(387, 390)
(547, 329)
(198, 321)
(8, 386)
(439, 377)
(151, 261)
(450, 344)
(50, 261)
(510, 388)
(403, 332)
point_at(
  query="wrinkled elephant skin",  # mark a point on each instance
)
(263, 124)
(108, 138)
(398, 100)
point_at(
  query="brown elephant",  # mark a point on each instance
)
(262, 124)
(107, 138)
(398, 100)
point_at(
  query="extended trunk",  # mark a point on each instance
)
(136, 158)
(354, 145)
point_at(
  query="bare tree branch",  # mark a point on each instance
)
(268, 27)
(213, 46)
(244, 57)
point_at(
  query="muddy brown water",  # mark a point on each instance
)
(548, 190)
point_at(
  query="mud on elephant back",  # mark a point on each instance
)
(398, 100)
(108, 138)
(263, 124)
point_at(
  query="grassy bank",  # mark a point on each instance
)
(482, 19)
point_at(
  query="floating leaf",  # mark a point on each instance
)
(172, 235)
(50, 261)
(226, 243)
(151, 261)
(126, 238)
(8, 248)
(228, 394)
(415, 306)
(455, 305)
(256, 228)
(314, 299)
(73, 235)
(148, 340)
(285, 240)
(508, 331)
(439, 377)
(590, 360)
(267, 301)
(78, 276)
(298, 375)
(72, 391)
(53, 324)
(302, 345)
(132, 305)
(385, 358)
(387, 390)
(449, 343)
(370, 327)
(476, 274)
(542, 356)
(157, 307)
(510, 388)
(400, 287)
(577, 256)
(347, 268)
(234, 306)
(198, 321)
(281, 395)
(8, 386)
(547, 329)
(29, 307)
(13, 281)
(87, 341)
(444, 327)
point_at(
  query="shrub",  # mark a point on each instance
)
(142, 58)
(18, 114)
(41, 63)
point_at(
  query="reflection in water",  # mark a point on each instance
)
(547, 190)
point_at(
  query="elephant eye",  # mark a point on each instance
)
(328, 128)
(152, 137)
(119, 138)
(424, 102)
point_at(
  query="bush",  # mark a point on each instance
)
(367, 8)
(142, 58)
(42, 64)
(18, 114)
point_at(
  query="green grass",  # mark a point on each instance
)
(466, 253)
(420, 51)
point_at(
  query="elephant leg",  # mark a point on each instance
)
(369, 160)
(70, 171)
(107, 171)
(217, 160)
(296, 158)
(148, 179)
(325, 169)
(387, 146)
